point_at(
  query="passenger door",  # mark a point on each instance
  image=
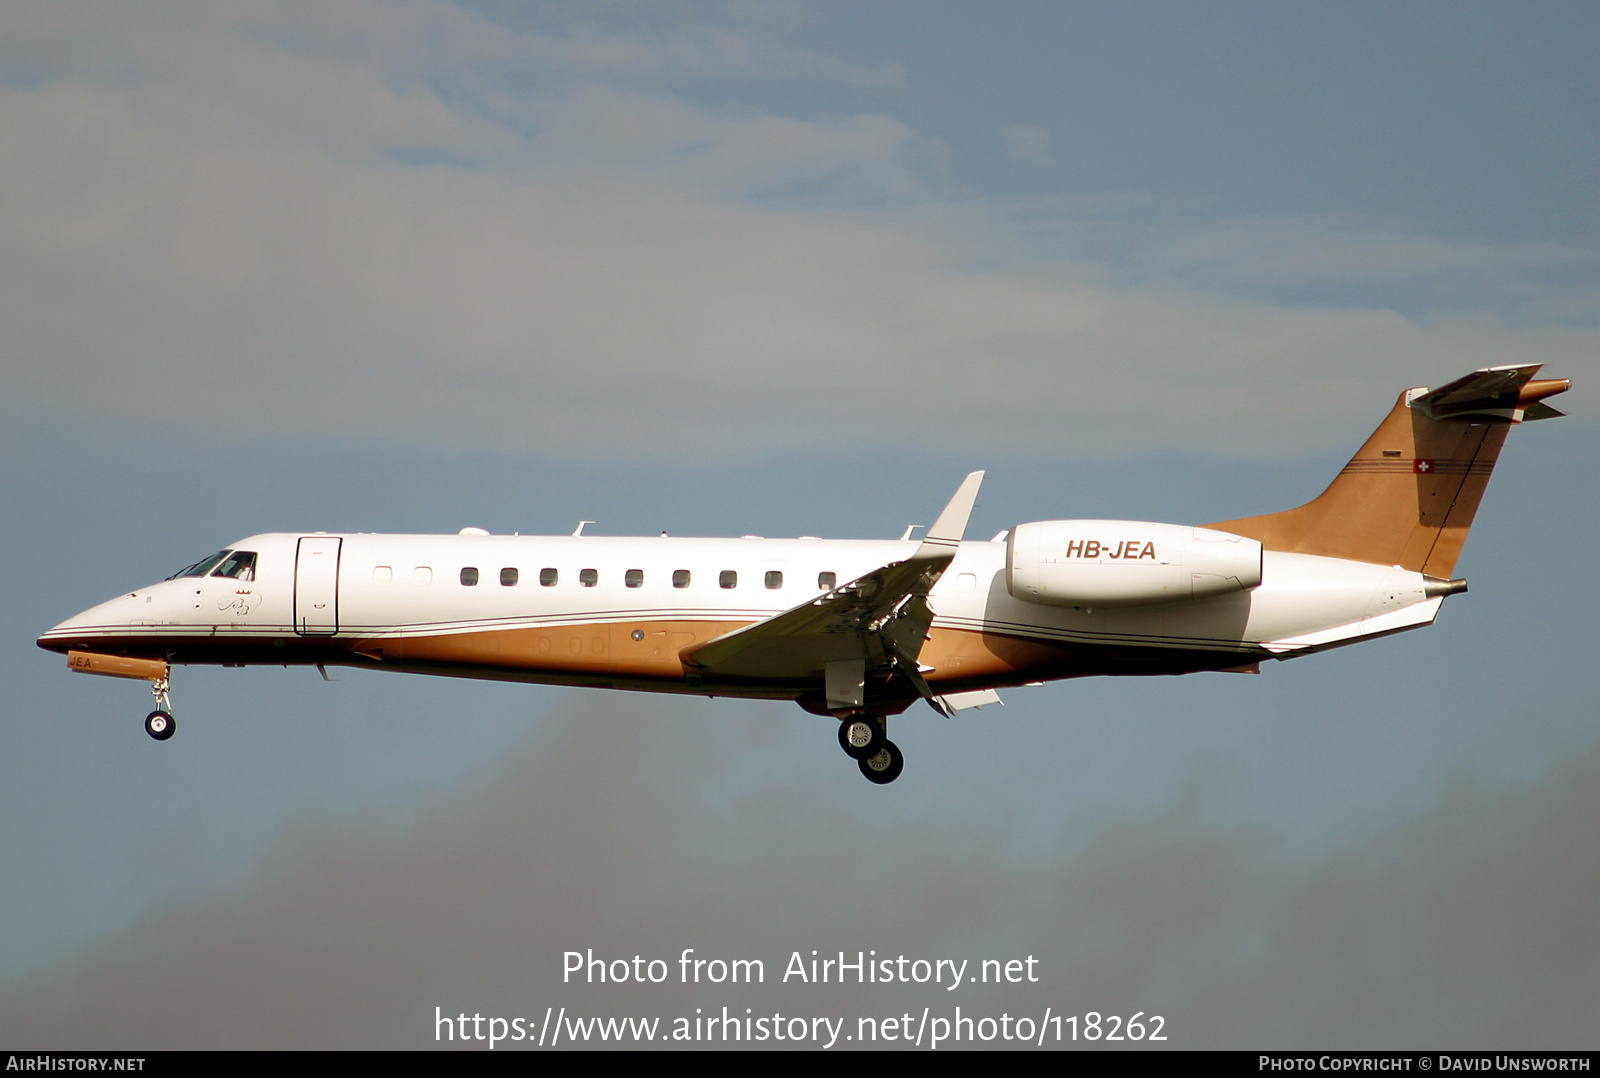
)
(316, 585)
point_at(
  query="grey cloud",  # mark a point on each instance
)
(421, 39)
(297, 222)
(1025, 142)
(1467, 923)
(1258, 252)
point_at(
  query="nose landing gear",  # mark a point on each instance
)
(159, 724)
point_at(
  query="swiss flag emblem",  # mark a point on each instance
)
(1423, 466)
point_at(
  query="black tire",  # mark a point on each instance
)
(160, 725)
(885, 766)
(850, 736)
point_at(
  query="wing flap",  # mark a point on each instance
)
(978, 698)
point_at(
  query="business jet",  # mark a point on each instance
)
(854, 630)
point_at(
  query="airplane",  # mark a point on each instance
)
(855, 630)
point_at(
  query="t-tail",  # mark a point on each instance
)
(1409, 494)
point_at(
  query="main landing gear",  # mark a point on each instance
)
(865, 740)
(159, 724)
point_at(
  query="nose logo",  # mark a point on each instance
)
(242, 602)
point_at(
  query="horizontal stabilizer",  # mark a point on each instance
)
(1505, 393)
(1540, 410)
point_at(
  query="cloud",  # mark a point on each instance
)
(1465, 922)
(1024, 142)
(405, 222)
(1258, 253)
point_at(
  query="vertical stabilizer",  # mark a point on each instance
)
(1409, 494)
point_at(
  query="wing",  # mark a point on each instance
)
(875, 621)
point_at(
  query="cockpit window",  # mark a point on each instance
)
(201, 568)
(240, 565)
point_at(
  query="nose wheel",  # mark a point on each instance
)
(159, 724)
(865, 740)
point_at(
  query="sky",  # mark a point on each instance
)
(779, 269)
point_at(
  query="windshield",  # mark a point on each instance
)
(240, 565)
(201, 568)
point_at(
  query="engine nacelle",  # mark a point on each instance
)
(1106, 563)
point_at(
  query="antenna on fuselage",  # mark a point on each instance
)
(579, 529)
(909, 529)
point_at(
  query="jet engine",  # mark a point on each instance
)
(1109, 563)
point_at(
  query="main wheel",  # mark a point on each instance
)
(860, 737)
(884, 766)
(160, 725)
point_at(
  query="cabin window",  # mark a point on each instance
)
(967, 582)
(508, 578)
(548, 578)
(680, 578)
(728, 578)
(588, 578)
(634, 578)
(469, 577)
(774, 579)
(422, 574)
(827, 581)
(240, 565)
(382, 574)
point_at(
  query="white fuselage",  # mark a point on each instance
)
(617, 611)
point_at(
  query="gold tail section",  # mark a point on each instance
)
(1409, 494)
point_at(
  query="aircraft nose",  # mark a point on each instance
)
(62, 636)
(95, 622)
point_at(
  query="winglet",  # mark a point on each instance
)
(946, 533)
